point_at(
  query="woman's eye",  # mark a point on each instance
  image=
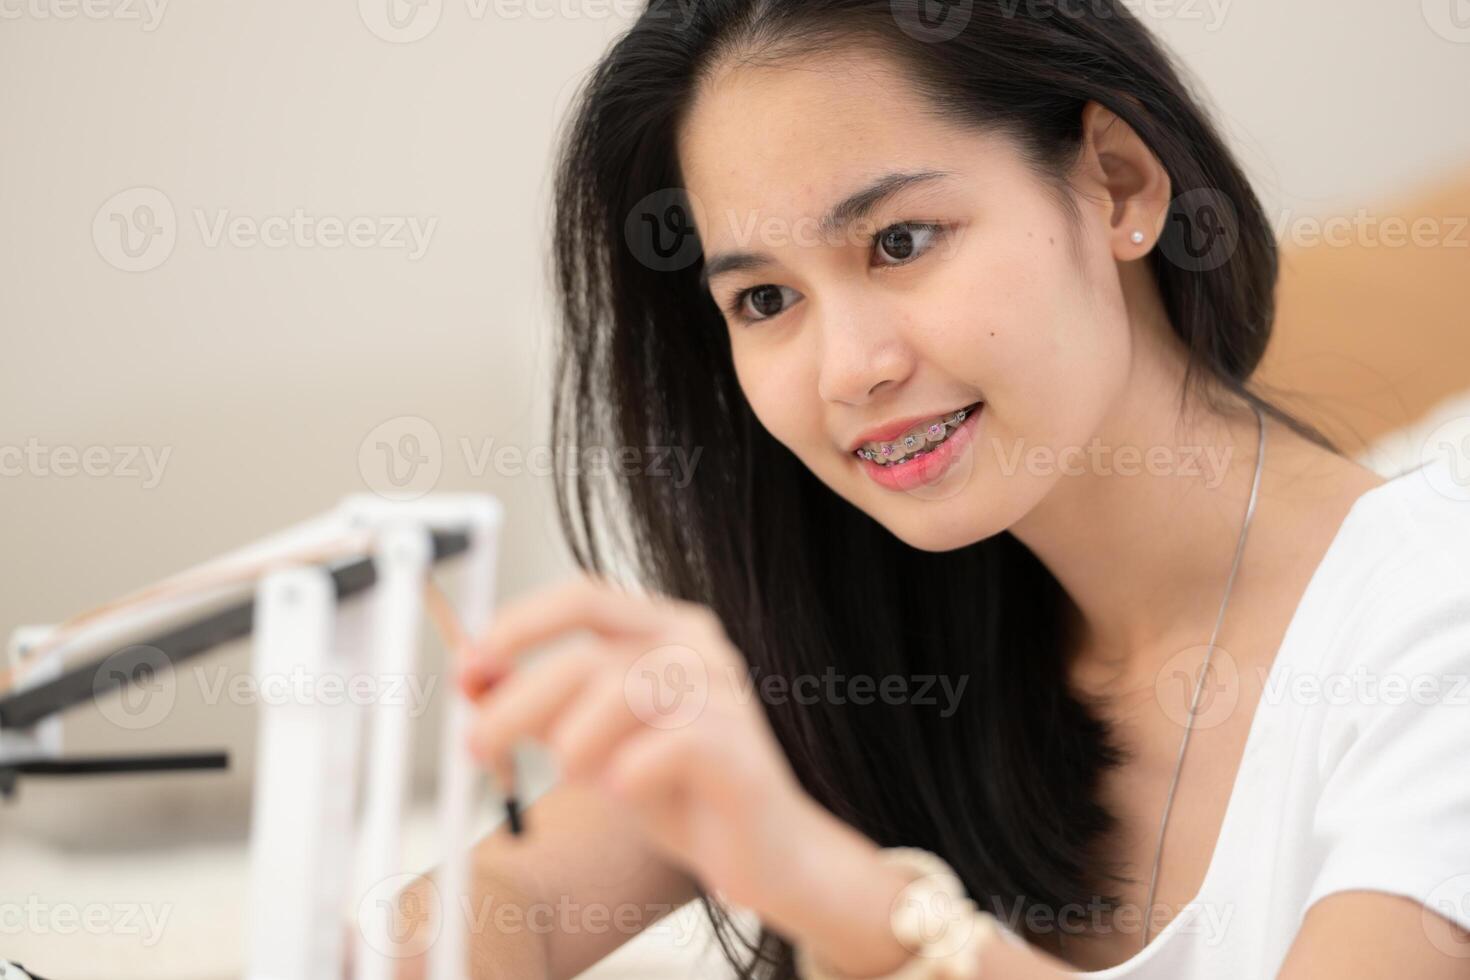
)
(904, 242)
(760, 302)
(901, 243)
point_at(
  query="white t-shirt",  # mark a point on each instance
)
(1356, 769)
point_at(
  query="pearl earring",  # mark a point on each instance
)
(1137, 237)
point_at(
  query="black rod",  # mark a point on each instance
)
(99, 765)
(137, 660)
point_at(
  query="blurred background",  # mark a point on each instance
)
(245, 246)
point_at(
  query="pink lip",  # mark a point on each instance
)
(890, 431)
(928, 468)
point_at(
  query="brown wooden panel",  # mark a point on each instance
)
(1370, 334)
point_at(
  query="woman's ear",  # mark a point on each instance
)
(1119, 174)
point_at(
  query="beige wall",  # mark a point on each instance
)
(261, 370)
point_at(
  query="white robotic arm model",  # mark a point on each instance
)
(331, 778)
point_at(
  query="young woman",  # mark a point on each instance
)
(957, 309)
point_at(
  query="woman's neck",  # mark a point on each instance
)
(1144, 551)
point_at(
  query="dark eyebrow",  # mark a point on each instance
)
(852, 208)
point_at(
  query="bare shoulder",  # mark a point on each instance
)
(1313, 475)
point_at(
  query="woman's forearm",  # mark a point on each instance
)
(837, 901)
(839, 898)
(493, 954)
(841, 902)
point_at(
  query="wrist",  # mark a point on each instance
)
(839, 897)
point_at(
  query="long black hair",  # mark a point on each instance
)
(1005, 788)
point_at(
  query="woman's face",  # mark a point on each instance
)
(952, 288)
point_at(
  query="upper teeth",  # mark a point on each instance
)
(914, 441)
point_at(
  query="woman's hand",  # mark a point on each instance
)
(656, 710)
(650, 710)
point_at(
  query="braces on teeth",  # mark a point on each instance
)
(912, 443)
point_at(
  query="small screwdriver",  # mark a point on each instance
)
(441, 611)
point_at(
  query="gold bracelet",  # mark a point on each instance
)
(934, 920)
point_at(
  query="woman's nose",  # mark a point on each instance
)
(859, 357)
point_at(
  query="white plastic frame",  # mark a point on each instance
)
(314, 869)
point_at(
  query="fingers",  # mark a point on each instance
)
(634, 675)
(581, 604)
(527, 702)
(649, 770)
(584, 704)
(592, 727)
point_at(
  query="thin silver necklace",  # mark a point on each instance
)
(1250, 510)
